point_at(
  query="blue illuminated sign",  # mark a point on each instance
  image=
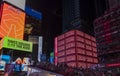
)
(34, 13)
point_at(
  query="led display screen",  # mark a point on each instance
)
(56, 51)
(1, 43)
(12, 22)
(51, 60)
(20, 64)
(43, 57)
(33, 13)
(4, 59)
(24, 64)
(2, 65)
(32, 23)
(16, 44)
(18, 3)
(52, 54)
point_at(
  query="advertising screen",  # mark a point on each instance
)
(43, 57)
(40, 46)
(18, 3)
(20, 64)
(52, 60)
(12, 22)
(52, 57)
(24, 64)
(16, 44)
(2, 65)
(4, 59)
(32, 23)
(52, 54)
(33, 13)
(56, 51)
(1, 43)
(113, 65)
(33, 39)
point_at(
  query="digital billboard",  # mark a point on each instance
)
(1, 43)
(33, 13)
(18, 3)
(24, 64)
(2, 65)
(56, 51)
(16, 44)
(12, 22)
(52, 54)
(4, 59)
(32, 23)
(40, 46)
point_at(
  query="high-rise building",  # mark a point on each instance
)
(78, 14)
(107, 35)
(70, 13)
(100, 7)
(113, 3)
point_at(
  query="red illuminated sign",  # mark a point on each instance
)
(56, 52)
(113, 65)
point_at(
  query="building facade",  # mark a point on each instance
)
(107, 32)
(78, 14)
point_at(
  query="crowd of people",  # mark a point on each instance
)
(66, 70)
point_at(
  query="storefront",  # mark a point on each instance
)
(13, 51)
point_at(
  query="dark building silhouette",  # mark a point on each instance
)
(79, 14)
(107, 32)
(100, 7)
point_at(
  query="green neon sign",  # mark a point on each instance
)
(16, 44)
(52, 54)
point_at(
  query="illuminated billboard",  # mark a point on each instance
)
(33, 13)
(32, 22)
(12, 22)
(1, 43)
(56, 51)
(16, 44)
(4, 59)
(18, 3)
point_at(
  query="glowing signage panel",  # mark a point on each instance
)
(12, 22)
(18, 3)
(16, 44)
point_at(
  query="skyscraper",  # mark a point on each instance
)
(78, 14)
(100, 7)
(71, 13)
(107, 32)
